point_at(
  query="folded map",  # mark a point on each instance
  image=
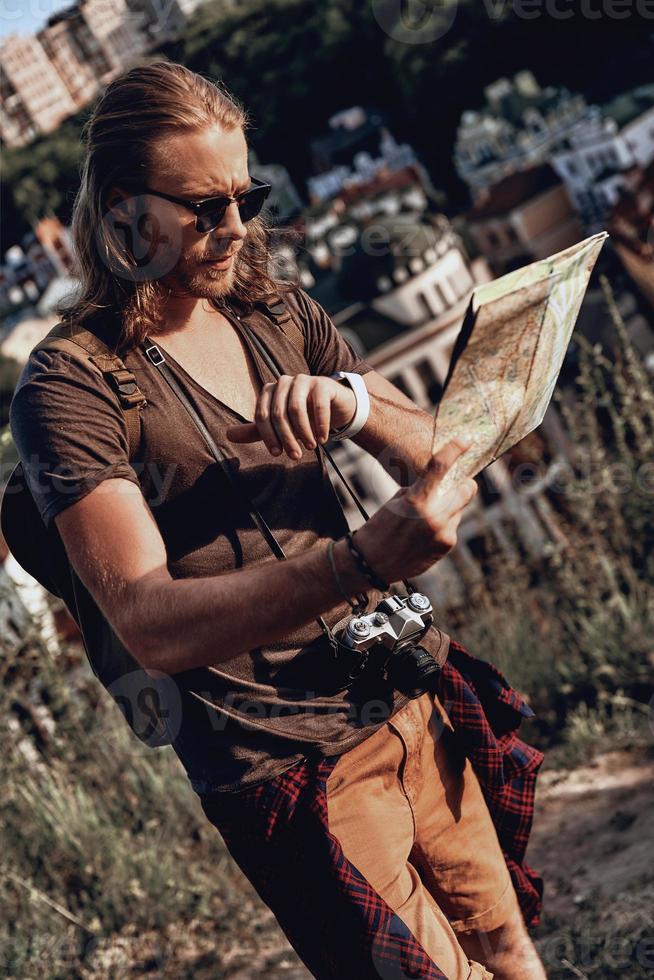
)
(508, 356)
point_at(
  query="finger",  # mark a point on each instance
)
(263, 420)
(245, 432)
(320, 408)
(297, 406)
(279, 417)
(439, 464)
(444, 506)
(448, 534)
(447, 455)
(468, 489)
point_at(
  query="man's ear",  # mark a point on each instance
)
(121, 202)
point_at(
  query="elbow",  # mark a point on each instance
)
(148, 626)
(154, 658)
(154, 650)
(135, 640)
(140, 637)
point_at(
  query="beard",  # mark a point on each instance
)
(203, 280)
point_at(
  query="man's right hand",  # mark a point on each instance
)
(417, 526)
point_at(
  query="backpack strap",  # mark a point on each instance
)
(279, 310)
(70, 338)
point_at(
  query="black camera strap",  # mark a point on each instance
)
(319, 449)
(156, 357)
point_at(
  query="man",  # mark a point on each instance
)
(350, 807)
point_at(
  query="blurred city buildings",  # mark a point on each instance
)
(47, 76)
(592, 148)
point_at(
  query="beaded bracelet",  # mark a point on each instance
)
(362, 603)
(364, 567)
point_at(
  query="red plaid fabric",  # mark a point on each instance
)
(486, 713)
(278, 834)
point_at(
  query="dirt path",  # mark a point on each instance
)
(594, 829)
(593, 840)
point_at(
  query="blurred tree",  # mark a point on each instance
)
(9, 372)
(41, 177)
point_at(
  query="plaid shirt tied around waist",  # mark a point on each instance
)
(278, 834)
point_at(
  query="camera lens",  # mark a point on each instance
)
(412, 670)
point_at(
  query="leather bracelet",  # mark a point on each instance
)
(364, 567)
(362, 603)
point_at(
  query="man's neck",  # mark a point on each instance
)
(191, 315)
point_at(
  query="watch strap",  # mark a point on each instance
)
(362, 411)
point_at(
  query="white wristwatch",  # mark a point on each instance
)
(358, 386)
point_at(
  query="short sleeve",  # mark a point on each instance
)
(326, 349)
(69, 430)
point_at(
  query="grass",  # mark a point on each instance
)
(99, 834)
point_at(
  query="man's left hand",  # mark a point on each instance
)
(295, 409)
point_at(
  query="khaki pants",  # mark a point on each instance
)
(410, 816)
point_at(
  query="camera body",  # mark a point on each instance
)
(387, 640)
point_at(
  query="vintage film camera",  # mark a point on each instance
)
(387, 640)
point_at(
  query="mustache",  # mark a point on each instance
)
(222, 255)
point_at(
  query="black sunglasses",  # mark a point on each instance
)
(210, 212)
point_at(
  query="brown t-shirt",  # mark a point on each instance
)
(248, 718)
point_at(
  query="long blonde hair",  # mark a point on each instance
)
(138, 108)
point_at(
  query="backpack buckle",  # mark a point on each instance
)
(123, 381)
(155, 355)
(278, 308)
(278, 311)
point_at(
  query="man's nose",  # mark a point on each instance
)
(231, 225)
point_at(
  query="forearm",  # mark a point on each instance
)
(187, 623)
(399, 436)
